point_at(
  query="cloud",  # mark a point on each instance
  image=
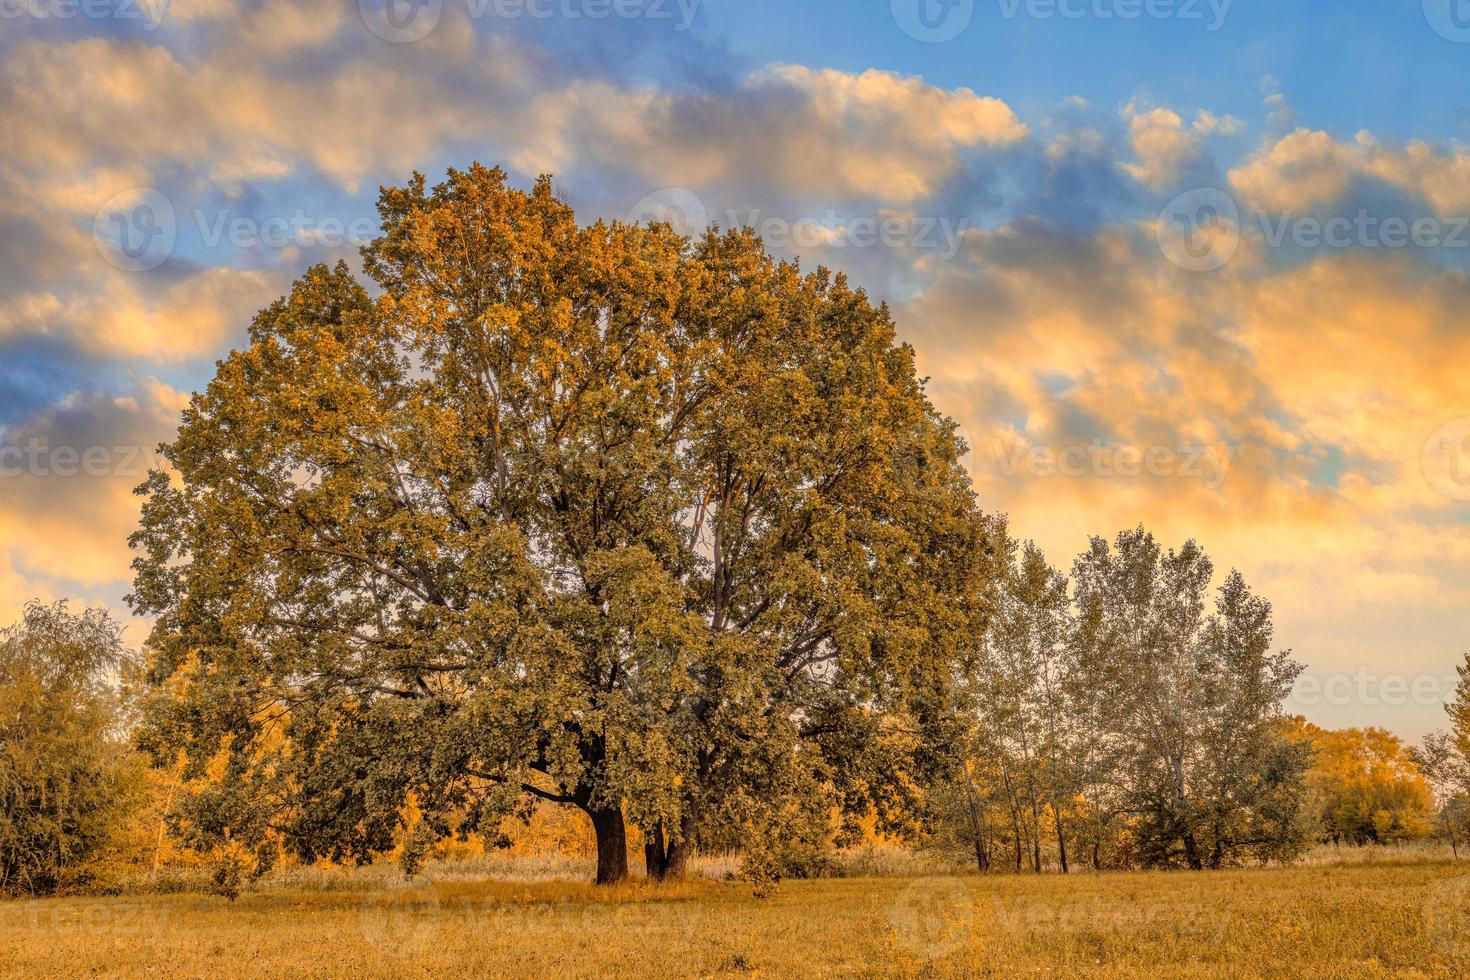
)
(1307, 167)
(1287, 411)
(789, 130)
(240, 116)
(1048, 321)
(1163, 145)
(66, 479)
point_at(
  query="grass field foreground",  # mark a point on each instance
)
(1405, 919)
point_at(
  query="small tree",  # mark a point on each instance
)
(67, 778)
(1444, 758)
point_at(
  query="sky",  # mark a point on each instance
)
(1196, 264)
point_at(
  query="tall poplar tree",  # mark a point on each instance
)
(1189, 702)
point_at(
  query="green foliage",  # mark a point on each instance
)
(601, 516)
(67, 778)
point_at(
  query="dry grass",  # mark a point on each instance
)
(1397, 917)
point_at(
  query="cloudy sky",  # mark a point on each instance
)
(1199, 264)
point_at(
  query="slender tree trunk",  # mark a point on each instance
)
(1031, 792)
(982, 854)
(1061, 838)
(676, 863)
(168, 803)
(1005, 776)
(612, 844)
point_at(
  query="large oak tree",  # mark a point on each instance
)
(658, 528)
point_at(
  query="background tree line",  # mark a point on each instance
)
(655, 529)
(1135, 719)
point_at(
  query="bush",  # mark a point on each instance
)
(67, 776)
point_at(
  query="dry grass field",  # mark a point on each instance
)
(1401, 918)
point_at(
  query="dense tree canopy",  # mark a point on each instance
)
(1365, 787)
(658, 528)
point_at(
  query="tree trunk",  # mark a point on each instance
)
(1005, 776)
(1191, 852)
(664, 858)
(676, 857)
(655, 851)
(982, 853)
(612, 844)
(1061, 838)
